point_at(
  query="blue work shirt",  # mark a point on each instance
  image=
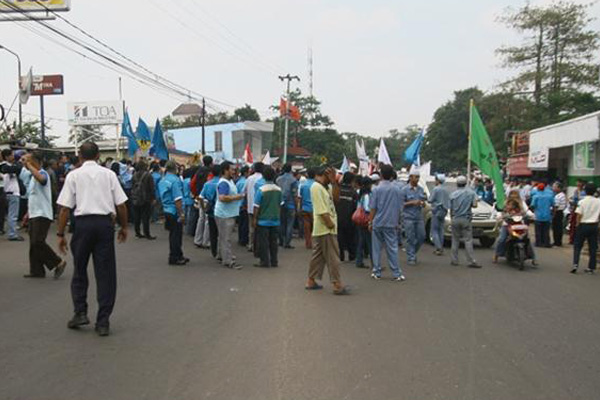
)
(241, 187)
(408, 193)
(171, 190)
(209, 193)
(187, 192)
(386, 200)
(488, 196)
(289, 188)
(542, 203)
(439, 199)
(304, 195)
(156, 176)
(461, 203)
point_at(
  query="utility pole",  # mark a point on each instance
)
(289, 79)
(18, 82)
(118, 132)
(203, 122)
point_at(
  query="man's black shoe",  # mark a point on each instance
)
(259, 265)
(102, 330)
(78, 320)
(178, 262)
(186, 260)
(139, 236)
(150, 237)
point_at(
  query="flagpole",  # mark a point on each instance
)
(472, 104)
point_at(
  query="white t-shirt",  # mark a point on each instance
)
(589, 209)
(92, 190)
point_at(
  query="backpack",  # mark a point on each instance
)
(139, 194)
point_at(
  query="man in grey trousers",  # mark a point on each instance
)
(462, 201)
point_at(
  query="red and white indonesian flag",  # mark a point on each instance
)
(248, 158)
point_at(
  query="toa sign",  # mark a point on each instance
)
(95, 113)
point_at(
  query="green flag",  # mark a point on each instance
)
(484, 155)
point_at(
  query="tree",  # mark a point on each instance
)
(30, 133)
(246, 113)
(556, 59)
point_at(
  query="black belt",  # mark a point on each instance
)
(109, 216)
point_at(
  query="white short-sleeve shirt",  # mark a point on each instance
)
(92, 190)
(589, 209)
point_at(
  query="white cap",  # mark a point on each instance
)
(441, 178)
(461, 180)
(414, 171)
(375, 177)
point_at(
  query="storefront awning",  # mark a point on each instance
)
(568, 133)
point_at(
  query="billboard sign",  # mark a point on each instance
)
(538, 159)
(45, 85)
(14, 6)
(95, 113)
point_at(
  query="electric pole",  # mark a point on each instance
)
(203, 122)
(289, 79)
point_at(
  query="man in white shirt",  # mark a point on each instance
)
(95, 194)
(249, 192)
(41, 215)
(560, 204)
(10, 175)
(588, 216)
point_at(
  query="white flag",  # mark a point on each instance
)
(345, 165)
(383, 156)
(267, 158)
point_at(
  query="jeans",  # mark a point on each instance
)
(387, 237)
(287, 226)
(585, 232)
(266, 240)
(225, 227)
(13, 215)
(501, 241)
(437, 230)
(415, 237)
(175, 228)
(191, 219)
(462, 229)
(365, 242)
(542, 233)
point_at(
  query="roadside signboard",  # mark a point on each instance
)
(95, 113)
(9, 6)
(45, 85)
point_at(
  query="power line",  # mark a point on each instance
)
(155, 81)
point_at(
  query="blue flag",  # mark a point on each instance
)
(127, 132)
(412, 154)
(143, 137)
(158, 148)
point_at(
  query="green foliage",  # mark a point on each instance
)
(246, 113)
(30, 133)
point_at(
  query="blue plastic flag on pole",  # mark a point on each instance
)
(143, 133)
(158, 148)
(127, 132)
(412, 154)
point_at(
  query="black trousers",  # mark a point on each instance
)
(347, 241)
(141, 216)
(542, 234)
(243, 228)
(94, 236)
(40, 253)
(557, 227)
(3, 208)
(175, 228)
(585, 232)
(213, 232)
(267, 238)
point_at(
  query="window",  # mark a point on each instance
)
(218, 141)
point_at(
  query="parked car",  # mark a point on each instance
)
(485, 227)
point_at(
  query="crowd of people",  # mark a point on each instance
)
(339, 216)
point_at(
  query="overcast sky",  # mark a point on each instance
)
(378, 64)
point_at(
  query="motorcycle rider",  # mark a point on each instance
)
(515, 206)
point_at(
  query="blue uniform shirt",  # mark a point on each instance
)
(241, 187)
(209, 193)
(171, 190)
(385, 199)
(156, 176)
(305, 195)
(408, 193)
(187, 192)
(542, 203)
(461, 203)
(289, 188)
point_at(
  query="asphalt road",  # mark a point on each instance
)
(205, 332)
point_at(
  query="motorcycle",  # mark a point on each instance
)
(518, 246)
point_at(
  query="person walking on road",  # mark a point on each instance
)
(440, 204)
(170, 188)
(208, 201)
(10, 175)
(267, 205)
(587, 218)
(542, 203)
(412, 202)
(250, 192)
(41, 215)
(326, 250)
(243, 221)
(365, 242)
(96, 196)
(462, 202)
(226, 211)
(560, 205)
(345, 208)
(289, 187)
(384, 216)
(143, 194)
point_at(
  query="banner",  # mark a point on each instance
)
(9, 6)
(95, 113)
